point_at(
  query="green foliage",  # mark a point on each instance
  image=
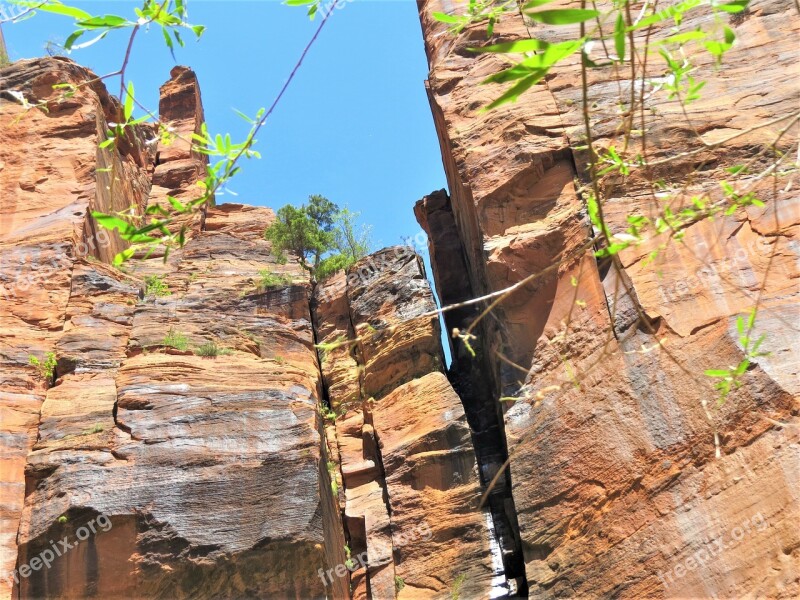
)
(328, 414)
(326, 347)
(155, 286)
(62, 519)
(211, 349)
(347, 552)
(96, 428)
(175, 339)
(731, 378)
(269, 280)
(46, 367)
(323, 237)
(458, 583)
(540, 55)
(399, 583)
(334, 486)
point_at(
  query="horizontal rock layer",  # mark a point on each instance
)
(187, 443)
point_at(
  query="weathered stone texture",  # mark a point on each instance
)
(615, 482)
(407, 463)
(48, 186)
(211, 470)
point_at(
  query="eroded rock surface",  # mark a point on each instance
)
(181, 427)
(615, 481)
(408, 468)
(189, 444)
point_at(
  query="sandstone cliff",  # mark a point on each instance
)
(205, 434)
(613, 480)
(250, 472)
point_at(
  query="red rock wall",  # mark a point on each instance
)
(211, 476)
(615, 482)
(408, 476)
(48, 186)
(201, 476)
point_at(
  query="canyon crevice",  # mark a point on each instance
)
(326, 449)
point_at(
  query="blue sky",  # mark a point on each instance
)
(354, 126)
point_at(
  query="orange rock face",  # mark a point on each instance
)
(406, 462)
(191, 440)
(614, 479)
(176, 449)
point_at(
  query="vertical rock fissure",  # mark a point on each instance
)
(471, 378)
(326, 457)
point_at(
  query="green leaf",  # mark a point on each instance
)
(619, 37)
(677, 11)
(112, 222)
(687, 36)
(535, 64)
(741, 368)
(94, 40)
(71, 39)
(717, 373)
(176, 204)
(563, 16)
(67, 11)
(105, 21)
(445, 18)
(514, 93)
(535, 4)
(106, 143)
(736, 6)
(299, 2)
(123, 256)
(198, 30)
(514, 47)
(128, 109)
(168, 42)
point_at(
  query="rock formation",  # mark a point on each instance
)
(613, 480)
(194, 430)
(187, 442)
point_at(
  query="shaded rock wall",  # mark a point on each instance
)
(615, 482)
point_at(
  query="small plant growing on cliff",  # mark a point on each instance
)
(323, 236)
(347, 552)
(328, 414)
(399, 583)
(731, 378)
(96, 428)
(45, 368)
(62, 519)
(269, 280)
(156, 286)
(332, 474)
(175, 339)
(211, 349)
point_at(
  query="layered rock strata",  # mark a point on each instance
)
(187, 442)
(410, 487)
(615, 479)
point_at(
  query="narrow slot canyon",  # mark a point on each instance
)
(214, 421)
